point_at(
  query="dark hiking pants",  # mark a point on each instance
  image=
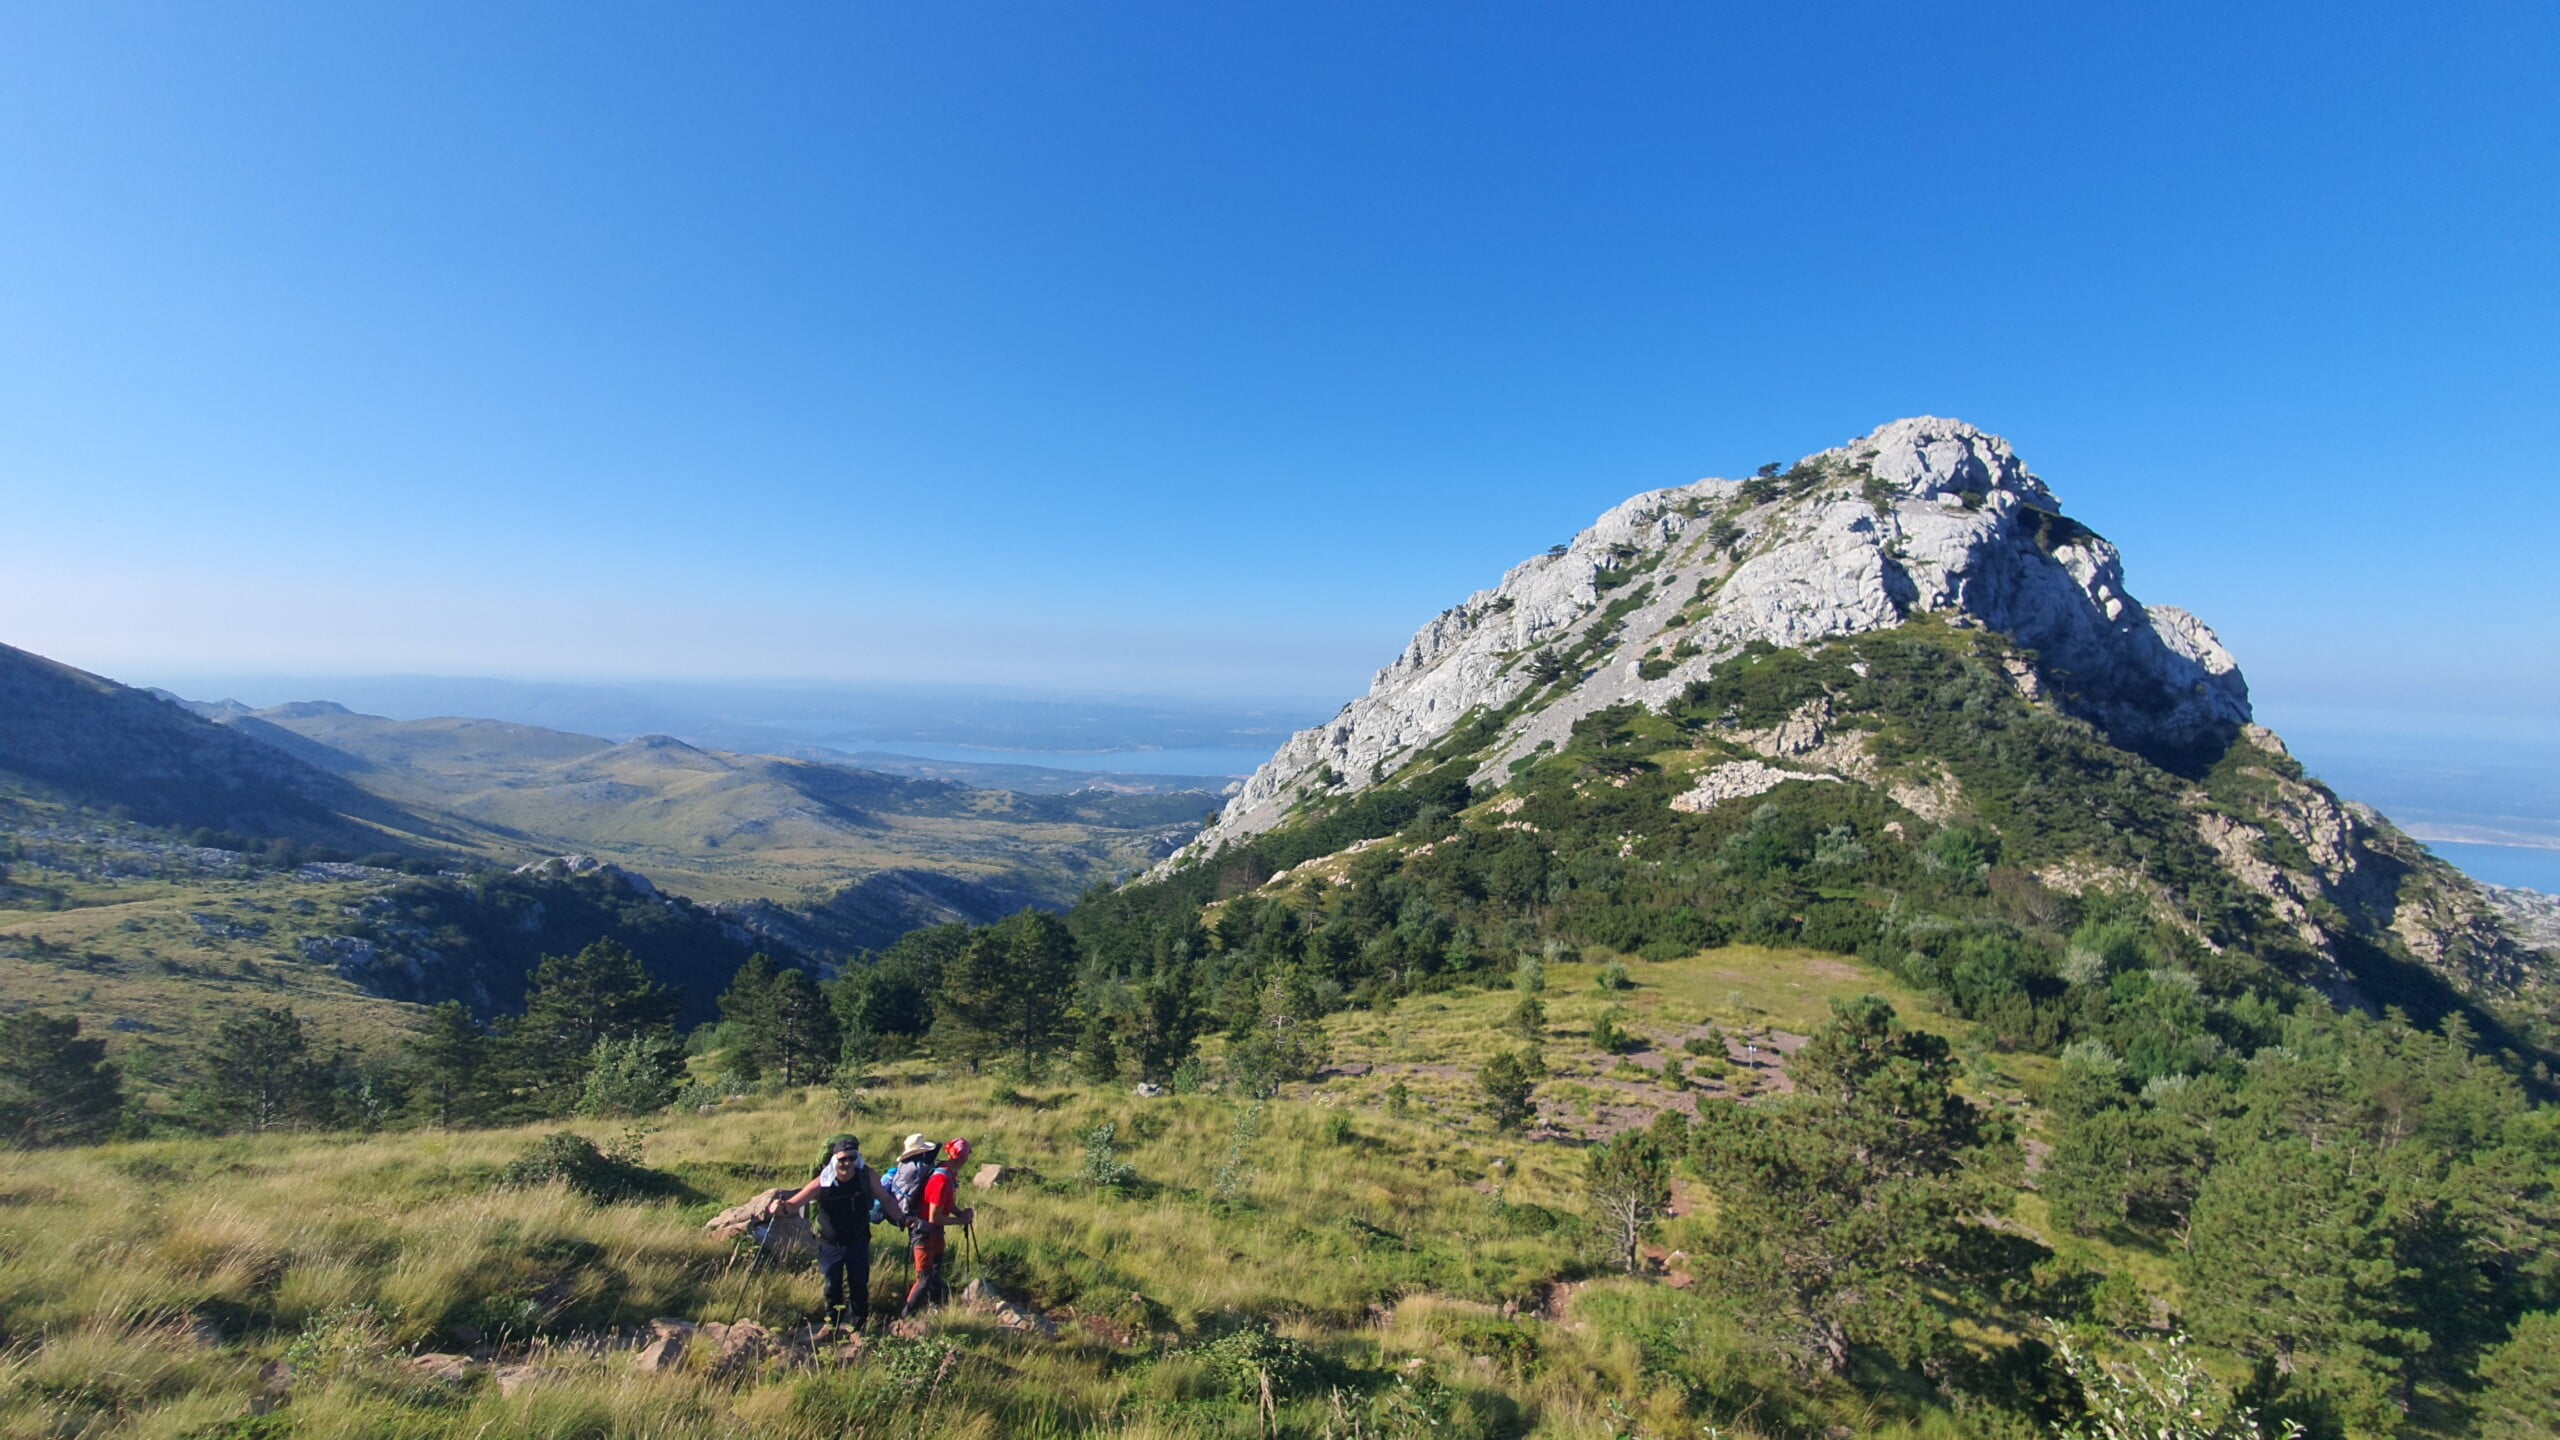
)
(847, 1271)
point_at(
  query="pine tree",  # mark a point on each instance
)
(450, 1057)
(1098, 1048)
(1844, 1208)
(636, 1075)
(801, 1036)
(1630, 1183)
(2293, 1255)
(572, 1001)
(262, 1074)
(55, 1087)
(1007, 992)
(746, 1008)
(2520, 1391)
(1509, 1083)
(1169, 1021)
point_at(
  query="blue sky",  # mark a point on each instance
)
(1210, 348)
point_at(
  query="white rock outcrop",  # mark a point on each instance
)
(1923, 516)
(1738, 780)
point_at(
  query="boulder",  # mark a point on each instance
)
(435, 1365)
(661, 1355)
(1150, 1090)
(511, 1378)
(780, 1233)
(991, 1176)
(739, 1346)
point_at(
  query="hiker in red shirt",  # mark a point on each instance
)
(939, 1206)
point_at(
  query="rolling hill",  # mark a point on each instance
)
(77, 737)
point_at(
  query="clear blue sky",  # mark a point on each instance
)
(1210, 348)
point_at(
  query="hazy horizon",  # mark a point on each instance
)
(2480, 785)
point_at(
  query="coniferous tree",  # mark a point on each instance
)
(572, 1001)
(1169, 1021)
(2520, 1390)
(889, 996)
(2294, 1256)
(635, 1075)
(1006, 993)
(55, 1087)
(261, 1074)
(1283, 1040)
(800, 1035)
(1630, 1183)
(1098, 1047)
(746, 1011)
(1509, 1085)
(1844, 1208)
(450, 1058)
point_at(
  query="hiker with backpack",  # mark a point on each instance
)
(847, 1197)
(939, 1206)
(916, 1158)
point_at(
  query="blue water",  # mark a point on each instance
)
(2515, 865)
(1207, 761)
(2479, 774)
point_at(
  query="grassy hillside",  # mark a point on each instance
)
(146, 939)
(1399, 1273)
(88, 741)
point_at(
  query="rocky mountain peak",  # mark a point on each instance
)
(1923, 516)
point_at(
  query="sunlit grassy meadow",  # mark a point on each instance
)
(1390, 1273)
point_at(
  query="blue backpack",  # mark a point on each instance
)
(906, 1181)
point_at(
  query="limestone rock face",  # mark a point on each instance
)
(1923, 516)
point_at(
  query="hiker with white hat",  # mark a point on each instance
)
(916, 1155)
(938, 1205)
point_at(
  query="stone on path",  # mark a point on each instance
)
(436, 1365)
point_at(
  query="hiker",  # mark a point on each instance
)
(845, 1193)
(916, 1158)
(940, 1207)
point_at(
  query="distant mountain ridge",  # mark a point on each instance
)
(700, 856)
(110, 747)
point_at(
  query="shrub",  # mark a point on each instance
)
(1103, 1168)
(631, 1077)
(1613, 976)
(1246, 1359)
(1609, 1035)
(573, 1160)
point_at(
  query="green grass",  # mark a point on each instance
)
(1400, 1262)
(134, 952)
